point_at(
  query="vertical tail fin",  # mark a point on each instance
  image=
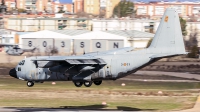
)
(168, 38)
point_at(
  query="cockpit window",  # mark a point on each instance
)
(19, 68)
(22, 62)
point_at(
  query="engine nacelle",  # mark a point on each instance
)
(98, 75)
(83, 68)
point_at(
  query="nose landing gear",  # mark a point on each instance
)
(30, 83)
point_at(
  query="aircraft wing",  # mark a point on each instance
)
(73, 59)
(8, 44)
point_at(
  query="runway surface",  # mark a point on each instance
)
(99, 109)
(58, 110)
(196, 107)
(175, 74)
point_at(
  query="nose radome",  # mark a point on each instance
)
(13, 73)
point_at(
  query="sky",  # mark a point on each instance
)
(66, 1)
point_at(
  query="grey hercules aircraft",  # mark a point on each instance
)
(108, 65)
(15, 50)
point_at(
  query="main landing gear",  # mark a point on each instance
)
(87, 83)
(78, 84)
(98, 82)
(30, 83)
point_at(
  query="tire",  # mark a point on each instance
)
(88, 83)
(30, 84)
(78, 84)
(97, 82)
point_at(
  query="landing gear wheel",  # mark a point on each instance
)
(78, 84)
(98, 82)
(30, 84)
(88, 83)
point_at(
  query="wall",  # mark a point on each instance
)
(92, 6)
(139, 25)
(46, 24)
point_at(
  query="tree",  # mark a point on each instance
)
(124, 8)
(82, 14)
(192, 44)
(194, 51)
(102, 14)
(183, 26)
(21, 10)
(45, 9)
(61, 11)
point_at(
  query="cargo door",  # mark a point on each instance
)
(107, 68)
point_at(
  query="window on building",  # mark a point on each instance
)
(88, 9)
(7, 40)
(92, 2)
(92, 10)
(88, 2)
(79, 6)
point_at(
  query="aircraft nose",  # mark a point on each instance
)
(13, 73)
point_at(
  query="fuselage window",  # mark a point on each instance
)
(22, 62)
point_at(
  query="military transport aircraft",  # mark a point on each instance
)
(108, 65)
(15, 50)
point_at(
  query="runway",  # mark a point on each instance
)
(99, 108)
(196, 108)
(15, 109)
(174, 74)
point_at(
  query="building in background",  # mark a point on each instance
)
(33, 6)
(92, 7)
(57, 6)
(107, 7)
(37, 24)
(156, 9)
(80, 41)
(41, 5)
(110, 5)
(10, 4)
(144, 25)
(78, 6)
(30, 5)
